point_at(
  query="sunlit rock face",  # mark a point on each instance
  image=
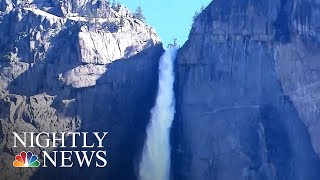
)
(76, 66)
(247, 93)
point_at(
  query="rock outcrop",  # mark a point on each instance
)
(247, 92)
(79, 65)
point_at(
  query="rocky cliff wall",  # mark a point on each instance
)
(76, 67)
(246, 88)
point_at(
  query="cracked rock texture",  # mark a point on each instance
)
(247, 87)
(77, 65)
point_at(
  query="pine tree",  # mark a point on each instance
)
(138, 14)
(202, 8)
(114, 3)
(174, 44)
(196, 14)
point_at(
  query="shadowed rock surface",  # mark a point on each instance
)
(76, 66)
(247, 93)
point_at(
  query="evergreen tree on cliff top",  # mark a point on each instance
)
(138, 14)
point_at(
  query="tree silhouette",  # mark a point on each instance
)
(202, 8)
(113, 3)
(138, 14)
(196, 14)
(174, 43)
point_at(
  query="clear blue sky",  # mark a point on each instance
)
(170, 18)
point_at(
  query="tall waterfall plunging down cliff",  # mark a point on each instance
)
(155, 162)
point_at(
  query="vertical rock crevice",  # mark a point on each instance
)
(282, 23)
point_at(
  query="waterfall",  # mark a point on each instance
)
(155, 162)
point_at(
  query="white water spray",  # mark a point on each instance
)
(155, 162)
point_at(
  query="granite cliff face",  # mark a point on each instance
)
(79, 65)
(247, 90)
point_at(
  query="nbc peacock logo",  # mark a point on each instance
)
(26, 160)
